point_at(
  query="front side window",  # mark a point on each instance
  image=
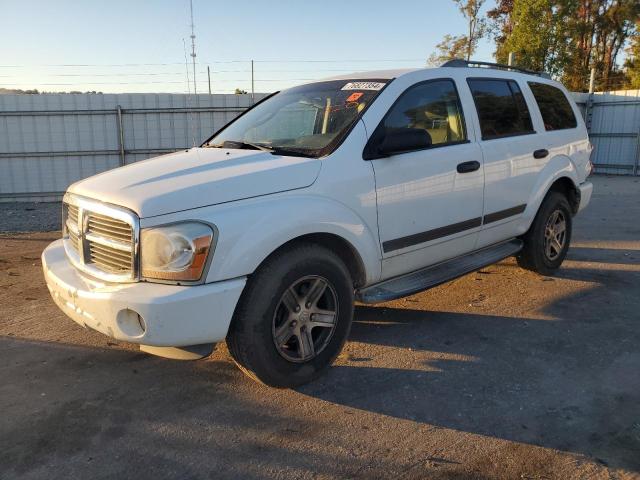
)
(556, 110)
(501, 107)
(432, 106)
(309, 120)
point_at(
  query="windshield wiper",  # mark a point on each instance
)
(265, 148)
(239, 144)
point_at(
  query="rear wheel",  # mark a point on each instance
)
(547, 241)
(293, 317)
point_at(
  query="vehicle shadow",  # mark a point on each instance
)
(77, 412)
(604, 255)
(571, 383)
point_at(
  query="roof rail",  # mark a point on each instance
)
(460, 63)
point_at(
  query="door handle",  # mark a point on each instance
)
(466, 167)
(543, 152)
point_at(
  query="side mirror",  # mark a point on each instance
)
(403, 140)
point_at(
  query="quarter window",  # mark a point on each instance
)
(556, 110)
(501, 108)
(433, 106)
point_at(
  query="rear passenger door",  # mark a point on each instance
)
(509, 142)
(429, 200)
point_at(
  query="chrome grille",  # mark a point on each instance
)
(71, 226)
(101, 239)
(110, 243)
(109, 227)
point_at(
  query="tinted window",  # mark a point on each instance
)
(556, 110)
(433, 106)
(501, 108)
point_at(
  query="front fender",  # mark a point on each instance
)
(558, 167)
(250, 231)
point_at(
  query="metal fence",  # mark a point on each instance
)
(49, 141)
(613, 121)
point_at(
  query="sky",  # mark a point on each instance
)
(120, 46)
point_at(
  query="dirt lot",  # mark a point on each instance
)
(500, 374)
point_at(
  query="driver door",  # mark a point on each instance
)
(429, 200)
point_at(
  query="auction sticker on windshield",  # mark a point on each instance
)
(363, 86)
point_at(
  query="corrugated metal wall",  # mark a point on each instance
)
(49, 141)
(613, 120)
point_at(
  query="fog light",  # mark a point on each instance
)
(131, 323)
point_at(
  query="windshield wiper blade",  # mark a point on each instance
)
(291, 152)
(263, 147)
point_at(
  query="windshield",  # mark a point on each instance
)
(309, 120)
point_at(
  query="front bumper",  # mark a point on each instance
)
(586, 189)
(172, 315)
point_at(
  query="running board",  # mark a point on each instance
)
(434, 275)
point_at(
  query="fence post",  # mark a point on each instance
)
(253, 99)
(120, 135)
(588, 113)
(636, 163)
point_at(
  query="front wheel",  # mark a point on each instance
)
(293, 317)
(547, 241)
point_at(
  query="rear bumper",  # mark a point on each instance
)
(172, 315)
(586, 189)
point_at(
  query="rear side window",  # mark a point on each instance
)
(555, 108)
(501, 108)
(433, 106)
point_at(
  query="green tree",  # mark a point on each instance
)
(566, 37)
(462, 46)
(536, 37)
(240, 92)
(449, 48)
(632, 64)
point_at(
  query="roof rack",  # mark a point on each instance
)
(460, 63)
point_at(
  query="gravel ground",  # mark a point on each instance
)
(499, 374)
(30, 217)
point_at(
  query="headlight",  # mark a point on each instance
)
(175, 252)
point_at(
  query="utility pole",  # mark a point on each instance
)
(592, 81)
(253, 100)
(193, 48)
(511, 59)
(209, 79)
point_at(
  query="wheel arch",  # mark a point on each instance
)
(569, 189)
(338, 245)
(560, 175)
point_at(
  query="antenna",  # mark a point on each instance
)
(193, 48)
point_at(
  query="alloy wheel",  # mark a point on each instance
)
(305, 318)
(555, 234)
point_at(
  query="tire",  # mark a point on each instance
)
(266, 315)
(540, 253)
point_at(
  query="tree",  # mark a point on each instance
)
(470, 9)
(462, 46)
(599, 30)
(632, 64)
(449, 48)
(565, 37)
(240, 92)
(500, 23)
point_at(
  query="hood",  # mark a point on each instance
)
(196, 178)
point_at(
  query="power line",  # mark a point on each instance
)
(399, 60)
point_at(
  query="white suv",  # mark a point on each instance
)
(368, 187)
